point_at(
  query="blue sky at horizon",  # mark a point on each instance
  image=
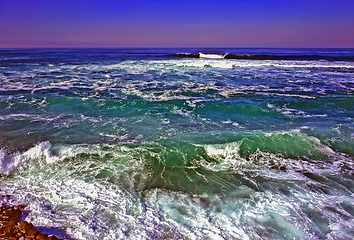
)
(193, 23)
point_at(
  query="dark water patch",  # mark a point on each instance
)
(348, 207)
(15, 92)
(321, 222)
(68, 104)
(346, 183)
(316, 177)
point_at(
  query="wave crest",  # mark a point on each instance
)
(37, 155)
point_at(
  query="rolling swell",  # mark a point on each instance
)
(177, 165)
(193, 178)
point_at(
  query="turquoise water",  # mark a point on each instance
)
(145, 144)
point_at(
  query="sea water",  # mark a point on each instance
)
(146, 144)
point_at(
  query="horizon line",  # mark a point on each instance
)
(9, 48)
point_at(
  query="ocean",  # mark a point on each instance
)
(161, 144)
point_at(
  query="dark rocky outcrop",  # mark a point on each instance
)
(308, 57)
(12, 228)
(186, 55)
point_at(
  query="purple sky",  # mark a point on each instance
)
(183, 23)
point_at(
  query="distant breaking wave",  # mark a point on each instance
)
(270, 57)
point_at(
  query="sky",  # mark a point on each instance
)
(179, 23)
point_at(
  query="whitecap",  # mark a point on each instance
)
(36, 156)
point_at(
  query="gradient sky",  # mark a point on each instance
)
(179, 23)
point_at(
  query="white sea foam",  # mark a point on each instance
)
(291, 112)
(32, 117)
(184, 69)
(35, 156)
(66, 193)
